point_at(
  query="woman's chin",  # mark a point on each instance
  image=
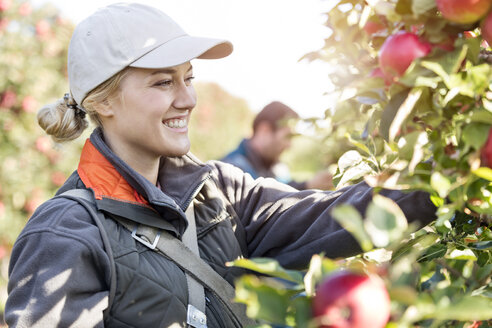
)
(178, 151)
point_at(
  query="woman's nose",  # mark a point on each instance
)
(185, 97)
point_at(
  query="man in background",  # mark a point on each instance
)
(260, 154)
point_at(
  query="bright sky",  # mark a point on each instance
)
(269, 37)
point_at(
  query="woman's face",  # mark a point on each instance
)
(150, 115)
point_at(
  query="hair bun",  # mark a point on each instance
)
(62, 121)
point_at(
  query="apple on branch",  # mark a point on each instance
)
(399, 51)
(349, 299)
(486, 151)
(486, 28)
(463, 11)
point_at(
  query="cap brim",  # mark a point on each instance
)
(183, 49)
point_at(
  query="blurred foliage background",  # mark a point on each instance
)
(219, 121)
(33, 51)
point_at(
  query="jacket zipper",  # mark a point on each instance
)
(194, 193)
(216, 313)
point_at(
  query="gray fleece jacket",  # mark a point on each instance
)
(59, 273)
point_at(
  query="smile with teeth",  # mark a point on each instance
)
(176, 123)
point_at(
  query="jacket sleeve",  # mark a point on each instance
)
(59, 272)
(290, 225)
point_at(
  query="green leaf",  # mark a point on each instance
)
(483, 260)
(481, 116)
(440, 183)
(481, 245)
(431, 283)
(414, 245)
(302, 311)
(468, 308)
(349, 159)
(411, 148)
(270, 267)
(487, 104)
(404, 7)
(319, 267)
(437, 201)
(483, 172)
(352, 168)
(418, 76)
(359, 145)
(390, 112)
(356, 173)
(476, 134)
(466, 254)
(452, 93)
(420, 7)
(444, 216)
(403, 294)
(474, 47)
(350, 219)
(433, 252)
(473, 81)
(385, 221)
(386, 9)
(262, 300)
(446, 65)
(403, 112)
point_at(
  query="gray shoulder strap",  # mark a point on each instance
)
(196, 294)
(162, 241)
(192, 264)
(86, 198)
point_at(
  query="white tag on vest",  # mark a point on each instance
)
(196, 318)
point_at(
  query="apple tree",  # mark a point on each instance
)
(418, 74)
(33, 69)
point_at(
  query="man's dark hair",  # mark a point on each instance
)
(274, 113)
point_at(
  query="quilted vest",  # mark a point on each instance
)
(149, 289)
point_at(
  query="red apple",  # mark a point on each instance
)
(5, 5)
(377, 72)
(29, 104)
(8, 99)
(348, 299)
(43, 28)
(486, 152)
(463, 11)
(2, 209)
(3, 251)
(4, 22)
(43, 144)
(34, 200)
(372, 27)
(487, 29)
(25, 9)
(474, 324)
(399, 51)
(58, 178)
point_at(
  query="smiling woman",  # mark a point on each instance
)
(149, 117)
(140, 234)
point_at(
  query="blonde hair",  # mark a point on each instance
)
(64, 121)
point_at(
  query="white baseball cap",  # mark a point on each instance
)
(130, 34)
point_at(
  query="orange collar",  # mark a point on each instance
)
(97, 173)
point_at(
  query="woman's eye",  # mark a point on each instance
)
(189, 80)
(164, 83)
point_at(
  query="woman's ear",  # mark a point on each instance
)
(104, 108)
